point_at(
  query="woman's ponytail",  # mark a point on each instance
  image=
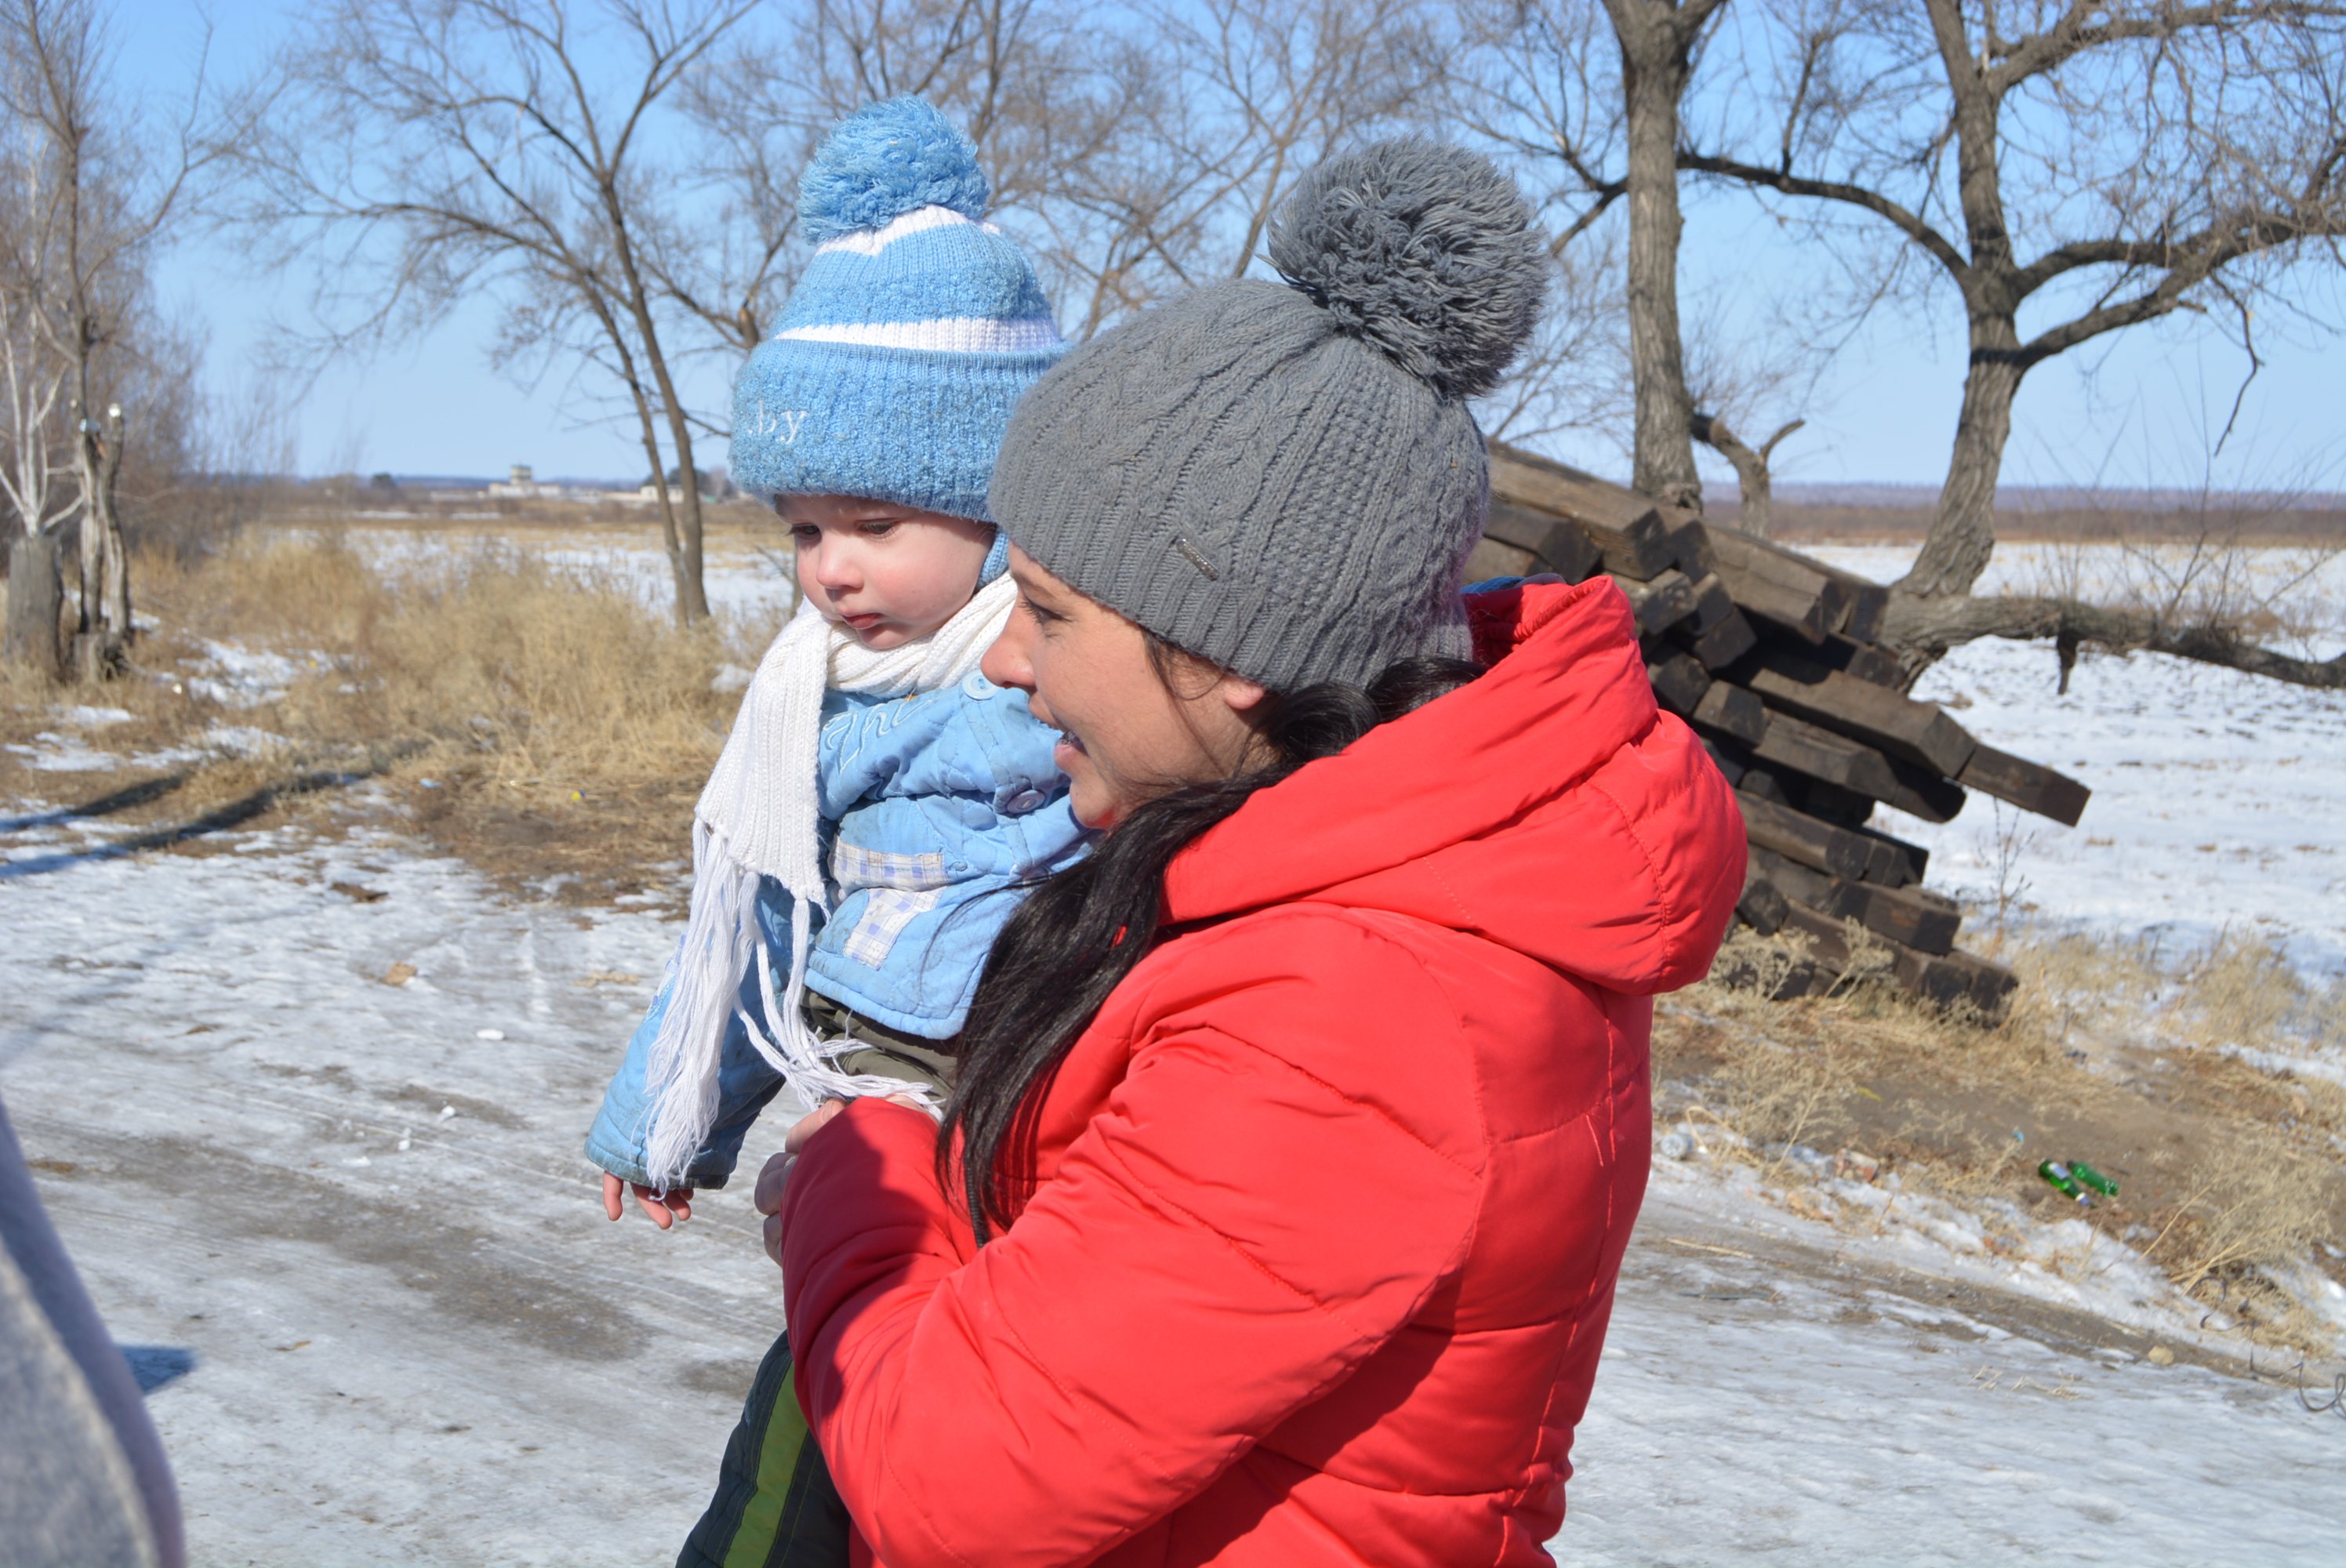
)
(1079, 933)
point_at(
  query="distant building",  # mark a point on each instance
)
(522, 485)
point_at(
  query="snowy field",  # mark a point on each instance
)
(748, 577)
(307, 1108)
(2217, 797)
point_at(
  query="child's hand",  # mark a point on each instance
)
(775, 1178)
(665, 1208)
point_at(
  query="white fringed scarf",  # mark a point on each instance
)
(758, 816)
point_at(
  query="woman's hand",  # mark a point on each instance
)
(775, 1178)
(665, 1208)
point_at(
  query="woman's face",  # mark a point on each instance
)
(888, 573)
(1132, 731)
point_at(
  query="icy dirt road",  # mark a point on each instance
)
(359, 1208)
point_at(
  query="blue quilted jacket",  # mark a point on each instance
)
(934, 808)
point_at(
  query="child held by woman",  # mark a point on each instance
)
(879, 802)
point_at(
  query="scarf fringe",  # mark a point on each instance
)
(719, 948)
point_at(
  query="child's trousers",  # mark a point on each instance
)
(775, 1505)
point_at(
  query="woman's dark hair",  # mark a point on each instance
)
(1080, 931)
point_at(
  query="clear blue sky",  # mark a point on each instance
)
(2131, 415)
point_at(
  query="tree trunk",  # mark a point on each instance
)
(1653, 76)
(89, 590)
(692, 586)
(684, 553)
(1758, 487)
(1962, 535)
(683, 531)
(117, 557)
(36, 599)
(683, 570)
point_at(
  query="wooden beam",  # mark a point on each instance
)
(1732, 711)
(1712, 603)
(1892, 863)
(1762, 907)
(1739, 552)
(1874, 666)
(1556, 544)
(1690, 546)
(1660, 604)
(1890, 720)
(1805, 616)
(2028, 785)
(1796, 836)
(1860, 603)
(1627, 529)
(1679, 682)
(1825, 802)
(1803, 748)
(1869, 603)
(1957, 979)
(1723, 643)
(1924, 792)
(1855, 775)
(1924, 921)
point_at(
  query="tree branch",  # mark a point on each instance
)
(1932, 626)
(1941, 249)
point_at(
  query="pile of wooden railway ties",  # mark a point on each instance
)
(1770, 655)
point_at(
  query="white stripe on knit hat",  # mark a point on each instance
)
(871, 241)
(956, 335)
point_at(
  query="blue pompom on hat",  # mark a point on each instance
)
(915, 327)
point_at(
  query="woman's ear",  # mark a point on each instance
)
(1241, 696)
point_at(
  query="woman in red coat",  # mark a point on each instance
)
(1301, 1129)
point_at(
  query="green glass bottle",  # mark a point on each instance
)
(2093, 1178)
(2057, 1177)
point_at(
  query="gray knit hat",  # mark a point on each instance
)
(1283, 478)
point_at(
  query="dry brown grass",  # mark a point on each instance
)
(562, 724)
(2240, 990)
(2108, 1053)
(2253, 1201)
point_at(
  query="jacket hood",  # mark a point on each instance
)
(1548, 807)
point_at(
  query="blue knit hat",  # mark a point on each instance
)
(912, 331)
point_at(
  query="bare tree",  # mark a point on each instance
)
(1595, 95)
(36, 383)
(1573, 373)
(425, 151)
(33, 461)
(1732, 379)
(87, 197)
(1019, 76)
(1195, 122)
(2095, 164)
(1753, 476)
(1138, 151)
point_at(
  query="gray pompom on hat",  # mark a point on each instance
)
(1284, 478)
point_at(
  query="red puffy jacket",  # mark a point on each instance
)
(1332, 1192)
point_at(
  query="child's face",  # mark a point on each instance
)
(887, 573)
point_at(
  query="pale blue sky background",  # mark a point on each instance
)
(2134, 414)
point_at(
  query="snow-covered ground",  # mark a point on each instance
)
(307, 1108)
(359, 1209)
(1752, 1410)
